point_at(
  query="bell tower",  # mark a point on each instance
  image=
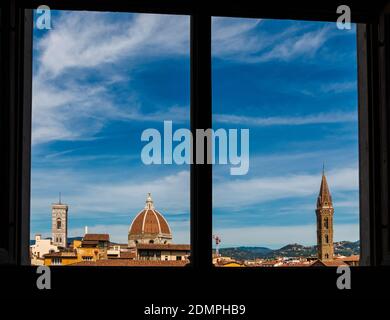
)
(59, 225)
(324, 213)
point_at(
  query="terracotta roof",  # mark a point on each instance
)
(90, 243)
(168, 247)
(329, 263)
(61, 254)
(270, 262)
(350, 258)
(96, 237)
(125, 255)
(131, 263)
(297, 264)
(149, 222)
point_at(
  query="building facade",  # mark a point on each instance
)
(40, 248)
(163, 252)
(324, 213)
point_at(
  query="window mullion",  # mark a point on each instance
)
(201, 174)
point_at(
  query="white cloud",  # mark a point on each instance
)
(87, 40)
(331, 117)
(235, 193)
(170, 194)
(93, 199)
(90, 197)
(67, 108)
(276, 236)
(95, 195)
(118, 232)
(339, 87)
(266, 236)
(299, 45)
(232, 38)
(245, 40)
(65, 105)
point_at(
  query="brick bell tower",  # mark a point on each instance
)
(324, 213)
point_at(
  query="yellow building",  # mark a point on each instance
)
(60, 258)
(93, 247)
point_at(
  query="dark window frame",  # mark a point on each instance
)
(373, 41)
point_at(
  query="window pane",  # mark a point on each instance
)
(101, 80)
(293, 84)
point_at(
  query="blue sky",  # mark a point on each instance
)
(100, 79)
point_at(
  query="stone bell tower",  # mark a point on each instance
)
(59, 224)
(324, 214)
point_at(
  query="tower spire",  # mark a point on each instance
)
(324, 197)
(324, 213)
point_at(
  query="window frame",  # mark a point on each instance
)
(373, 47)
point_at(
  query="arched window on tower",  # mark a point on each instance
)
(151, 241)
(326, 238)
(326, 223)
(58, 223)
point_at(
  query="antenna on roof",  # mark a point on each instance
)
(59, 198)
(217, 242)
(323, 168)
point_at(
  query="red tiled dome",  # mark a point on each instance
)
(149, 221)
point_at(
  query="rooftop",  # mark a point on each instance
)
(96, 237)
(130, 263)
(173, 247)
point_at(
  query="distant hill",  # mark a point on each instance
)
(345, 248)
(70, 240)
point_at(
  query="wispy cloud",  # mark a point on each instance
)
(249, 40)
(306, 44)
(119, 232)
(276, 236)
(233, 193)
(90, 40)
(89, 195)
(66, 104)
(339, 87)
(331, 117)
(108, 194)
(68, 107)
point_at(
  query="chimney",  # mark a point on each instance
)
(86, 230)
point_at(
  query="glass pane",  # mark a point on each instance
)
(293, 84)
(101, 80)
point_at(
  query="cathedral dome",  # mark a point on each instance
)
(149, 226)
